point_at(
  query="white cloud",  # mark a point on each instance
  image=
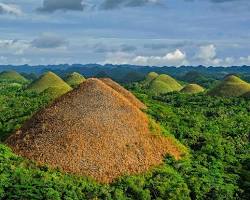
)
(207, 52)
(207, 55)
(10, 9)
(176, 58)
(173, 58)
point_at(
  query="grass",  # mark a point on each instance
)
(192, 89)
(74, 79)
(49, 81)
(231, 86)
(12, 76)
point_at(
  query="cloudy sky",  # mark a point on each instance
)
(143, 32)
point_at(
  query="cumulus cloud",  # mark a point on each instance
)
(114, 4)
(48, 41)
(176, 58)
(207, 55)
(54, 5)
(10, 9)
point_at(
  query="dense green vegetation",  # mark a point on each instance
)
(216, 131)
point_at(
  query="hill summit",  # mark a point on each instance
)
(12, 76)
(231, 86)
(49, 82)
(93, 130)
(74, 79)
(192, 89)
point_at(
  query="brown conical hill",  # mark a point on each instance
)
(94, 131)
(124, 92)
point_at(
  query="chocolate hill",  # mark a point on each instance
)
(192, 89)
(74, 79)
(95, 131)
(12, 76)
(164, 84)
(231, 86)
(49, 81)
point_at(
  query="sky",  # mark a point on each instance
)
(141, 32)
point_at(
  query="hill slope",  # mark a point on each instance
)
(231, 86)
(12, 76)
(49, 80)
(192, 89)
(74, 79)
(95, 131)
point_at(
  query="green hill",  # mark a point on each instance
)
(74, 79)
(164, 84)
(231, 86)
(151, 76)
(12, 76)
(49, 81)
(192, 89)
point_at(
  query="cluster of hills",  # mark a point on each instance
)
(49, 82)
(85, 130)
(230, 86)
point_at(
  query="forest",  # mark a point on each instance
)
(215, 131)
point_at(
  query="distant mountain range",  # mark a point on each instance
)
(130, 73)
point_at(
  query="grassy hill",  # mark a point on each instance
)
(52, 81)
(12, 76)
(231, 86)
(74, 79)
(164, 84)
(192, 89)
(151, 76)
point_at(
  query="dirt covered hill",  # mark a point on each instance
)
(132, 99)
(95, 131)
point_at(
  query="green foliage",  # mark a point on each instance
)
(215, 130)
(16, 106)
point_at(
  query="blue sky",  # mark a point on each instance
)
(143, 32)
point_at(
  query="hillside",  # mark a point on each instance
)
(231, 86)
(52, 81)
(164, 84)
(93, 131)
(74, 79)
(192, 89)
(12, 76)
